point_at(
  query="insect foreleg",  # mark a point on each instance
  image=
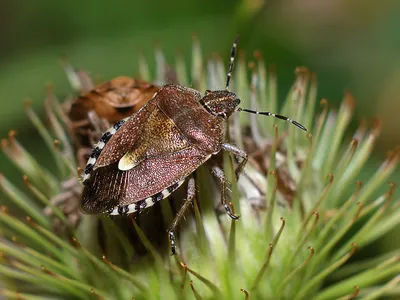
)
(238, 153)
(220, 175)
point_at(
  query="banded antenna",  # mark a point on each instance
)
(231, 63)
(267, 113)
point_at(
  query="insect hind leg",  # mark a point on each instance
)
(191, 193)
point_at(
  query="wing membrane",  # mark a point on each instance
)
(108, 186)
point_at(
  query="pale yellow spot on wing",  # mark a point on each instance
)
(128, 161)
(159, 137)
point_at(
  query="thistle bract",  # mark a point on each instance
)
(303, 211)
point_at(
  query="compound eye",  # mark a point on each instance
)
(208, 92)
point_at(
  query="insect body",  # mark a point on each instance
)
(144, 158)
(176, 134)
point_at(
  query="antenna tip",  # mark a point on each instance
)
(299, 125)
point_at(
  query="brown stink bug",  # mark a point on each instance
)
(144, 158)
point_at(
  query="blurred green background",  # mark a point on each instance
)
(351, 45)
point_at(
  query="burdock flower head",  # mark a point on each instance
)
(303, 212)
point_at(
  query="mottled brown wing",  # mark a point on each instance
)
(108, 186)
(147, 133)
(158, 137)
(127, 136)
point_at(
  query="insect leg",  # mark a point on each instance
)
(191, 192)
(238, 153)
(220, 175)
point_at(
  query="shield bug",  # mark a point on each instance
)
(144, 158)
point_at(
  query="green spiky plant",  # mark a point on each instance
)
(303, 212)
